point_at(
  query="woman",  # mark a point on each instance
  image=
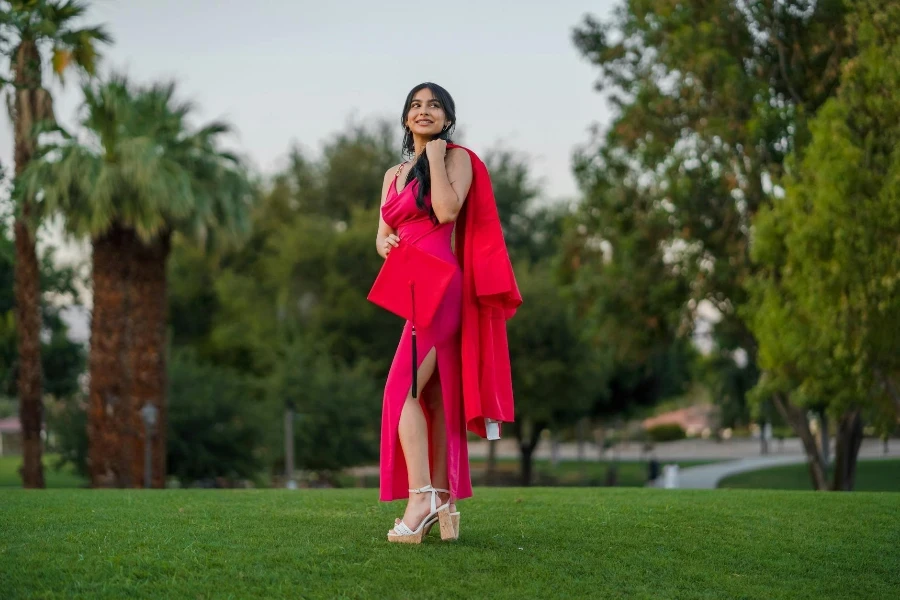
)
(421, 199)
(424, 456)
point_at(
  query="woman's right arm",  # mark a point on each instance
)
(386, 238)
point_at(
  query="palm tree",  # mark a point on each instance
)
(142, 177)
(27, 27)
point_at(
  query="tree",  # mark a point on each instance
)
(349, 174)
(336, 409)
(26, 28)
(309, 262)
(553, 375)
(619, 262)
(729, 384)
(826, 306)
(145, 174)
(710, 98)
(288, 307)
(62, 360)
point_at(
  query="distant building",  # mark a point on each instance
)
(10, 436)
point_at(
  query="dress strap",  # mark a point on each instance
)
(400, 168)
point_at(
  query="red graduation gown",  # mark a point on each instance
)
(490, 296)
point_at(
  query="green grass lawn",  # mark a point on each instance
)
(871, 476)
(64, 478)
(515, 543)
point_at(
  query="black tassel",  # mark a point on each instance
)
(415, 370)
(415, 383)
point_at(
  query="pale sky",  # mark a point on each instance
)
(284, 71)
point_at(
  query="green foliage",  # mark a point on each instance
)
(346, 177)
(288, 307)
(729, 384)
(145, 167)
(532, 232)
(666, 432)
(216, 421)
(826, 306)
(62, 360)
(710, 98)
(304, 271)
(67, 422)
(216, 424)
(337, 409)
(51, 22)
(554, 376)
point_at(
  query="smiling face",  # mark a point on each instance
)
(425, 115)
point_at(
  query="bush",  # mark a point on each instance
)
(337, 408)
(216, 422)
(67, 426)
(666, 432)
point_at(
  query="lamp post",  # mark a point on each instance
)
(149, 414)
(289, 446)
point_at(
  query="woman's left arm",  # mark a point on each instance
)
(451, 178)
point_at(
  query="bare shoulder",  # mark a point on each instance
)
(389, 174)
(388, 180)
(459, 161)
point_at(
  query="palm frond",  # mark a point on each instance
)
(148, 170)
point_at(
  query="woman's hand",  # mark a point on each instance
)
(435, 150)
(390, 242)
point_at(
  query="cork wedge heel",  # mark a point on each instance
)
(449, 521)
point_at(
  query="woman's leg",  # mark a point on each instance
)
(434, 403)
(413, 432)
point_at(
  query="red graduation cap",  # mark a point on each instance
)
(411, 284)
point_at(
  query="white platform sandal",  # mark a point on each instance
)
(449, 520)
(401, 533)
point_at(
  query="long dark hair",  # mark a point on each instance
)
(421, 170)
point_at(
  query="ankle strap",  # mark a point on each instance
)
(434, 494)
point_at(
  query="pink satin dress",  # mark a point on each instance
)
(443, 334)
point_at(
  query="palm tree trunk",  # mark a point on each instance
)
(28, 107)
(147, 354)
(109, 408)
(28, 329)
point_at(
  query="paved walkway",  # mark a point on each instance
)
(691, 449)
(707, 477)
(737, 456)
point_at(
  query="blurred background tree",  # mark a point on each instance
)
(711, 99)
(139, 173)
(28, 29)
(826, 307)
